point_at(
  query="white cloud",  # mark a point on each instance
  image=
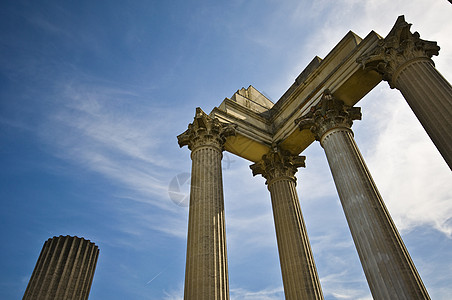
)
(236, 294)
(104, 130)
(249, 219)
(91, 127)
(344, 285)
(174, 294)
(266, 294)
(410, 173)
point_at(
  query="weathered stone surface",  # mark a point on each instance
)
(64, 271)
(309, 111)
(387, 265)
(205, 132)
(396, 50)
(278, 164)
(298, 269)
(328, 114)
(206, 273)
(404, 61)
(260, 123)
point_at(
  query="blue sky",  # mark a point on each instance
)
(94, 93)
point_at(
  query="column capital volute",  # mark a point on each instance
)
(205, 131)
(397, 50)
(278, 164)
(328, 114)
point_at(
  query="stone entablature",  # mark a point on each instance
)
(253, 100)
(258, 128)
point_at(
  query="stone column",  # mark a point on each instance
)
(206, 273)
(404, 61)
(65, 270)
(299, 273)
(387, 265)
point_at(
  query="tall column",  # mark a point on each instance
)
(298, 269)
(387, 265)
(404, 61)
(206, 273)
(65, 270)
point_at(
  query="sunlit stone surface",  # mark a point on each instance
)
(65, 270)
(319, 105)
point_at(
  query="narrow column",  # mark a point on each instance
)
(404, 61)
(298, 269)
(387, 265)
(65, 270)
(206, 273)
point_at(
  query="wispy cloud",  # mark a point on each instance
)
(111, 132)
(236, 294)
(93, 127)
(177, 294)
(344, 285)
(266, 294)
(412, 177)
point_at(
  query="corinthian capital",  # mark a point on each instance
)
(205, 131)
(329, 113)
(278, 164)
(398, 48)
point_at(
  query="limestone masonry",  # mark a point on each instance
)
(65, 270)
(319, 106)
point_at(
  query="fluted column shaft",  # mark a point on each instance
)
(299, 273)
(387, 265)
(429, 95)
(206, 269)
(386, 262)
(404, 61)
(64, 270)
(206, 273)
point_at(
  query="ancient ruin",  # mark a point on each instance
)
(319, 106)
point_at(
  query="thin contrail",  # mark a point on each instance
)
(156, 276)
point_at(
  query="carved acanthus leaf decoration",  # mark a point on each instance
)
(327, 114)
(398, 48)
(278, 163)
(205, 131)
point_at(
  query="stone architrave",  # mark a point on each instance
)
(387, 265)
(404, 61)
(206, 273)
(64, 270)
(298, 269)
